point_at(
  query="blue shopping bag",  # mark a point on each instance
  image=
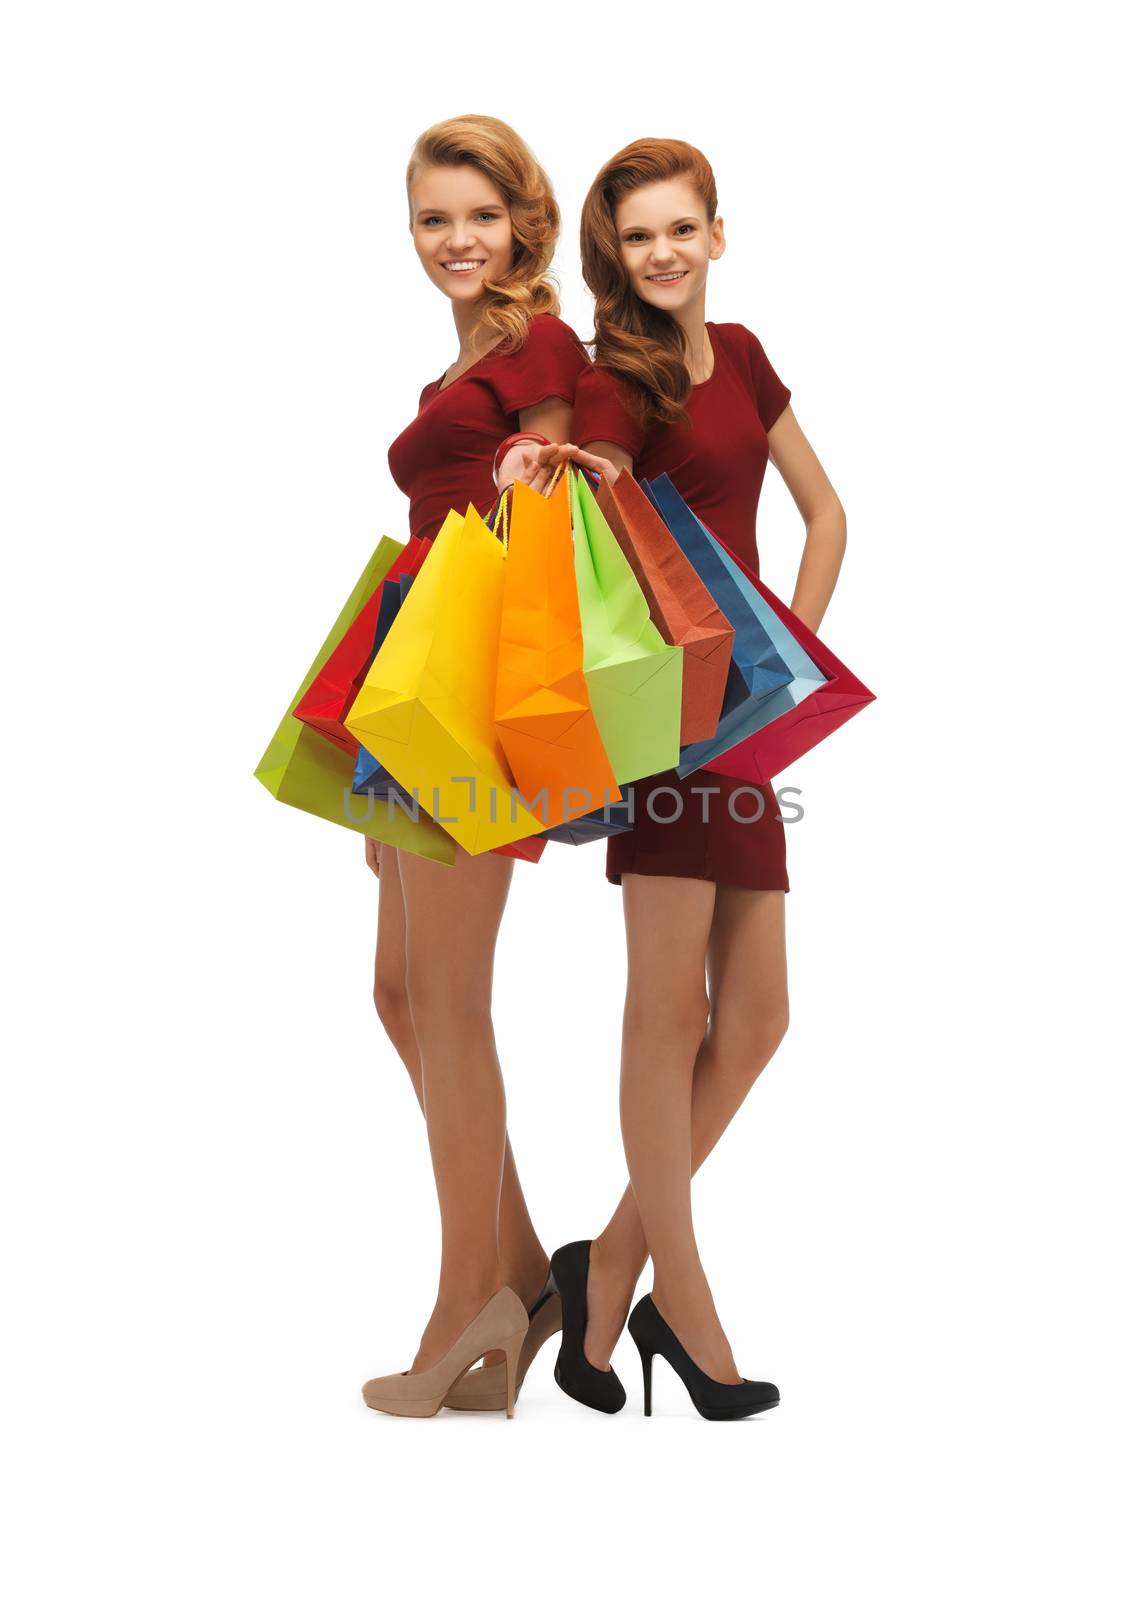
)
(370, 778)
(760, 675)
(600, 824)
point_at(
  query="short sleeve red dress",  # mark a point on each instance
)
(443, 459)
(718, 466)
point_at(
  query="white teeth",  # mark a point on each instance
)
(462, 266)
(666, 277)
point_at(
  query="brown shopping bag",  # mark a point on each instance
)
(681, 607)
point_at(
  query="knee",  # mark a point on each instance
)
(389, 992)
(679, 1018)
(744, 1047)
(439, 999)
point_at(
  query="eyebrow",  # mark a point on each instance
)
(439, 211)
(629, 226)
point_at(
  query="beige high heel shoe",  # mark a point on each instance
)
(484, 1388)
(502, 1324)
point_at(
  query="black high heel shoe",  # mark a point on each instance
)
(573, 1374)
(717, 1402)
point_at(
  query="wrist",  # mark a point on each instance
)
(508, 444)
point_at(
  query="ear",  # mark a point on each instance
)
(719, 243)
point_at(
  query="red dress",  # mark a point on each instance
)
(442, 461)
(718, 466)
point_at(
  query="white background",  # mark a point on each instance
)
(220, 1216)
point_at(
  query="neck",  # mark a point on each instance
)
(466, 314)
(691, 323)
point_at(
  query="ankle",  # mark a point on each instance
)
(527, 1275)
(467, 1294)
(616, 1266)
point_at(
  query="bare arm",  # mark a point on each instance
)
(605, 457)
(822, 513)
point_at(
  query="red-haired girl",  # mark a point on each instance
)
(706, 1002)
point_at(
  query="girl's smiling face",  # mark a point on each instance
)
(667, 242)
(460, 223)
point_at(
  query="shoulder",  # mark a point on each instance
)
(544, 367)
(548, 333)
(606, 407)
(738, 339)
(744, 342)
(771, 394)
(598, 383)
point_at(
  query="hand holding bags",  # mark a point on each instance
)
(681, 606)
(303, 769)
(541, 707)
(426, 707)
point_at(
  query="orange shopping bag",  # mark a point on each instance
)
(542, 711)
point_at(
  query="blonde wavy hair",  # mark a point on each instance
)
(508, 162)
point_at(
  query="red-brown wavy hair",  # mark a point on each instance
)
(633, 339)
(506, 159)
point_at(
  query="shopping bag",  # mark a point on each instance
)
(370, 778)
(616, 817)
(303, 769)
(634, 678)
(757, 669)
(426, 706)
(337, 684)
(679, 602)
(541, 707)
(810, 717)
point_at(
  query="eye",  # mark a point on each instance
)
(686, 227)
(428, 221)
(487, 216)
(635, 238)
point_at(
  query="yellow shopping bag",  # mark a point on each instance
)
(426, 707)
(542, 708)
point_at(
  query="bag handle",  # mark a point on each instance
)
(502, 520)
(555, 479)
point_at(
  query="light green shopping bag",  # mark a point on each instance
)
(306, 770)
(634, 677)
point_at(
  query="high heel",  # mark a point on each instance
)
(573, 1374)
(647, 1378)
(717, 1402)
(484, 1388)
(500, 1325)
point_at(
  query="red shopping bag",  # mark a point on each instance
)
(328, 699)
(522, 849)
(767, 751)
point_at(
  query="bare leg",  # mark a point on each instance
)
(747, 973)
(524, 1262)
(668, 922)
(453, 917)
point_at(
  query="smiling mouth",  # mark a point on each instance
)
(463, 266)
(667, 277)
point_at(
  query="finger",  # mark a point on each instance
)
(594, 463)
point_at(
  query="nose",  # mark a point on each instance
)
(662, 252)
(460, 239)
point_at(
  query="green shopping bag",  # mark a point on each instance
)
(634, 678)
(303, 769)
